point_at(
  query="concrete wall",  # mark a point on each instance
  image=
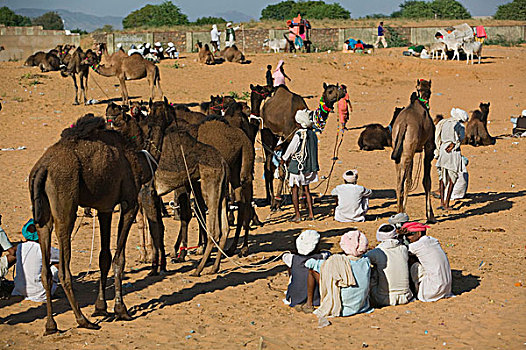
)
(20, 42)
(322, 38)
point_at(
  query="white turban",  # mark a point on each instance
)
(307, 242)
(399, 219)
(524, 112)
(170, 44)
(147, 45)
(459, 115)
(157, 44)
(119, 45)
(385, 232)
(303, 118)
(351, 176)
(229, 24)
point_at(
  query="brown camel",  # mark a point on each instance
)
(114, 58)
(205, 55)
(375, 136)
(280, 124)
(91, 167)
(46, 61)
(232, 54)
(477, 128)
(79, 63)
(133, 67)
(208, 174)
(414, 131)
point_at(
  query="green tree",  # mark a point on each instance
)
(107, 28)
(209, 20)
(515, 10)
(165, 14)
(9, 18)
(446, 9)
(308, 9)
(49, 20)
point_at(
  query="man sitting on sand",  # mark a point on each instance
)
(302, 293)
(390, 275)
(28, 279)
(432, 273)
(344, 278)
(9, 259)
(352, 200)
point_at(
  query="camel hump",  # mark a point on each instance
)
(84, 127)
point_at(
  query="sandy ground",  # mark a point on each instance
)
(484, 238)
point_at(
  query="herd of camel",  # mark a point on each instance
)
(142, 151)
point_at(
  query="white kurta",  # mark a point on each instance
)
(390, 278)
(450, 163)
(353, 202)
(301, 179)
(432, 275)
(28, 279)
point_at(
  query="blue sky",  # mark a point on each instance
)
(200, 8)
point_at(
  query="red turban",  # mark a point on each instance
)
(415, 227)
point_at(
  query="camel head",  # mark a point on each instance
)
(395, 115)
(161, 113)
(198, 45)
(257, 95)
(90, 58)
(484, 107)
(423, 87)
(332, 93)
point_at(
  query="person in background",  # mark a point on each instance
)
(8, 260)
(302, 293)
(159, 51)
(171, 51)
(28, 277)
(352, 200)
(279, 74)
(215, 38)
(268, 76)
(230, 34)
(343, 111)
(381, 36)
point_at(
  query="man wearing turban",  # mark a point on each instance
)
(352, 200)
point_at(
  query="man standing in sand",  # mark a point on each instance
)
(381, 36)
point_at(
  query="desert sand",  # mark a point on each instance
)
(238, 308)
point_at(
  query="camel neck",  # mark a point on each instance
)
(103, 70)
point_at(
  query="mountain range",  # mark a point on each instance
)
(74, 20)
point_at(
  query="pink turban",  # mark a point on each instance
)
(354, 243)
(415, 227)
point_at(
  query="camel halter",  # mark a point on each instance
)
(320, 116)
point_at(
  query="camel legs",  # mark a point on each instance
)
(152, 207)
(128, 214)
(243, 221)
(402, 170)
(146, 242)
(426, 182)
(74, 77)
(124, 90)
(185, 215)
(104, 262)
(83, 77)
(269, 142)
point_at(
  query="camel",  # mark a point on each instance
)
(205, 55)
(114, 58)
(133, 67)
(414, 131)
(278, 115)
(207, 170)
(232, 54)
(477, 128)
(91, 167)
(45, 61)
(375, 136)
(79, 63)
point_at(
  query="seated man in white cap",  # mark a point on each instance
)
(171, 51)
(303, 166)
(158, 50)
(301, 293)
(448, 137)
(352, 200)
(390, 274)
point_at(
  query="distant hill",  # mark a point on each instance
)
(73, 20)
(234, 16)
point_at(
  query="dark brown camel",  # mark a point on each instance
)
(208, 174)
(232, 54)
(477, 128)
(204, 54)
(414, 131)
(278, 115)
(91, 167)
(46, 61)
(79, 63)
(133, 67)
(375, 136)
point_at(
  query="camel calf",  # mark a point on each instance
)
(477, 128)
(375, 136)
(205, 55)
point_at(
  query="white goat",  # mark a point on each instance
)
(275, 44)
(435, 48)
(471, 48)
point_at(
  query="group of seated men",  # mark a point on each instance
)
(155, 53)
(407, 264)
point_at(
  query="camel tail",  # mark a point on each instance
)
(225, 227)
(157, 77)
(247, 161)
(398, 145)
(39, 198)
